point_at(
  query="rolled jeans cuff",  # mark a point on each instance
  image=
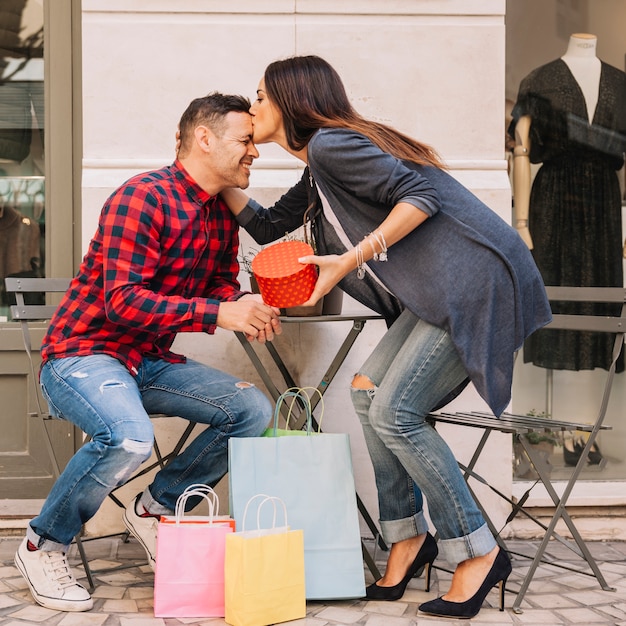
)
(477, 543)
(406, 528)
(46, 545)
(152, 506)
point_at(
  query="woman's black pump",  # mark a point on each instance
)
(498, 574)
(425, 557)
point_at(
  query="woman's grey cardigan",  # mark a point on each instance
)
(464, 269)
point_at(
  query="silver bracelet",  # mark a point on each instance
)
(380, 240)
(374, 253)
(360, 263)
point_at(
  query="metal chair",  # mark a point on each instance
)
(521, 426)
(24, 312)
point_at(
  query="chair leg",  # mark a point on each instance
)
(161, 462)
(83, 557)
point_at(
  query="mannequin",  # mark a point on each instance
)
(586, 67)
(570, 116)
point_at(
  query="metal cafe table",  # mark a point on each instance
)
(358, 321)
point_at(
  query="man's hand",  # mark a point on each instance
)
(250, 316)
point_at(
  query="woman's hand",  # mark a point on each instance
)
(332, 268)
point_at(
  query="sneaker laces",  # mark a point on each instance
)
(58, 569)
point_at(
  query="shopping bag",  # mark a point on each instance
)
(313, 476)
(264, 571)
(189, 573)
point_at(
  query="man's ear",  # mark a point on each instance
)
(204, 137)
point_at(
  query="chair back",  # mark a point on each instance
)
(24, 312)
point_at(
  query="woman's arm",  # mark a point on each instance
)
(235, 198)
(400, 198)
(269, 224)
(402, 219)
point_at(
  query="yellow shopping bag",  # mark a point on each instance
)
(264, 572)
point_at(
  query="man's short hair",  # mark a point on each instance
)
(209, 111)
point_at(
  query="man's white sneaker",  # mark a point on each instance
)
(51, 581)
(144, 529)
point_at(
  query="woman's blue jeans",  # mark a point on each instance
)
(100, 396)
(413, 367)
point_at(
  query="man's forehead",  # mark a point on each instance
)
(238, 123)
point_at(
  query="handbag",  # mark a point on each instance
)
(313, 476)
(264, 571)
(189, 573)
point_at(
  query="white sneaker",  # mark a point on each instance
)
(51, 581)
(144, 529)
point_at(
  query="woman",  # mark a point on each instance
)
(456, 284)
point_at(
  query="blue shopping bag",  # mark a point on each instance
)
(313, 476)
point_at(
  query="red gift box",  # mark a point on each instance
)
(283, 281)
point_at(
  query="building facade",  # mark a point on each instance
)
(116, 77)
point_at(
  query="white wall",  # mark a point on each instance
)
(433, 68)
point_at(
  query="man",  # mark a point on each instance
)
(163, 261)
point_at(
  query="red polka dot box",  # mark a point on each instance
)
(283, 281)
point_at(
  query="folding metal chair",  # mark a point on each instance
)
(24, 312)
(520, 426)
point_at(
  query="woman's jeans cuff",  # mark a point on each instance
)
(401, 529)
(477, 543)
(46, 545)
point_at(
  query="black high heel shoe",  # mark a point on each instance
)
(573, 448)
(425, 557)
(497, 575)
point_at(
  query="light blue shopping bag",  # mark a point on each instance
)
(313, 476)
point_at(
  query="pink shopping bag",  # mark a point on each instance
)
(189, 575)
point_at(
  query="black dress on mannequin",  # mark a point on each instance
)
(575, 202)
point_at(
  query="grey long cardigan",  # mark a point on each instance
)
(464, 270)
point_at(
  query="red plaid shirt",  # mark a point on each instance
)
(163, 258)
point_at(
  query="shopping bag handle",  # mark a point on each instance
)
(266, 498)
(204, 491)
(299, 393)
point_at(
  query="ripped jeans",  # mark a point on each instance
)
(100, 396)
(413, 367)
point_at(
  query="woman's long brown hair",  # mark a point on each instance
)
(310, 95)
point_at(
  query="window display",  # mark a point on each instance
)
(570, 115)
(567, 137)
(21, 143)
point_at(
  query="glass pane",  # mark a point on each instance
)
(22, 183)
(587, 219)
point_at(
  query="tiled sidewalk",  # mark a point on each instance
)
(124, 597)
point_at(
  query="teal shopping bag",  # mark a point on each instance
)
(313, 476)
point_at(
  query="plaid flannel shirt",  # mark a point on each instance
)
(163, 257)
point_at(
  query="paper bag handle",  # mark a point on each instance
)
(204, 491)
(266, 498)
(299, 393)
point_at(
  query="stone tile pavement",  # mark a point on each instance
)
(124, 597)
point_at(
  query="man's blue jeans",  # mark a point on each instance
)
(100, 396)
(413, 367)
